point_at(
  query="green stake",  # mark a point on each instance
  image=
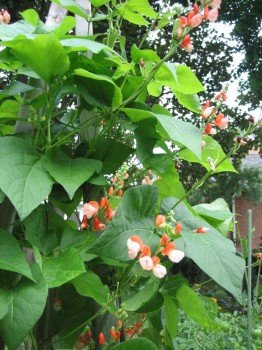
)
(249, 280)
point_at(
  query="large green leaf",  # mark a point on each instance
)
(143, 296)
(216, 214)
(11, 255)
(23, 177)
(182, 79)
(68, 172)
(31, 16)
(194, 307)
(171, 316)
(98, 3)
(80, 44)
(177, 288)
(26, 303)
(62, 268)
(134, 216)
(89, 285)
(134, 11)
(9, 109)
(135, 344)
(15, 88)
(212, 153)
(8, 32)
(73, 7)
(4, 300)
(44, 55)
(112, 153)
(43, 228)
(191, 102)
(212, 252)
(182, 132)
(169, 184)
(98, 89)
(146, 55)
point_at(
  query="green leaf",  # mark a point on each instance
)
(134, 11)
(171, 317)
(182, 79)
(42, 229)
(131, 16)
(2, 196)
(43, 54)
(134, 216)
(68, 172)
(11, 256)
(191, 102)
(74, 238)
(15, 89)
(99, 90)
(10, 31)
(136, 115)
(135, 344)
(23, 177)
(4, 300)
(89, 285)
(172, 284)
(98, 3)
(169, 184)
(146, 55)
(62, 268)
(212, 153)
(73, 7)
(68, 23)
(194, 307)
(212, 252)
(182, 132)
(26, 303)
(142, 7)
(80, 44)
(31, 16)
(142, 297)
(112, 153)
(9, 109)
(216, 214)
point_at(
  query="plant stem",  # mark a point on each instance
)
(152, 26)
(150, 76)
(249, 281)
(34, 343)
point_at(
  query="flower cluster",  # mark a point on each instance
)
(166, 248)
(214, 119)
(86, 337)
(193, 19)
(118, 182)
(98, 213)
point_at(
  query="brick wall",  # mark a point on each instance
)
(242, 206)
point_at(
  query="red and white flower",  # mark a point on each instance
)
(90, 209)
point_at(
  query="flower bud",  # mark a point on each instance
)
(101, 339)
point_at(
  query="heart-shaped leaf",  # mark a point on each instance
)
(23, 177)
(11, 255)
(62, 268)
(68, 172)
(26, 302)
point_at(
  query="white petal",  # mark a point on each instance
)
(176, 255)
(146, 263)
(159, 271)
